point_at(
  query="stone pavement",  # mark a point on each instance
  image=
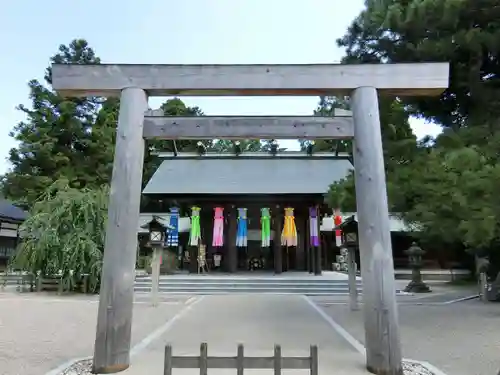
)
(459, 338)
(258, 322)
(41, 331)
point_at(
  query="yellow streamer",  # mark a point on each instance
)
(289, 234)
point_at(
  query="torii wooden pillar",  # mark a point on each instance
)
(362, 82)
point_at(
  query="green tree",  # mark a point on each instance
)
(59, 138)
(64, 234)
(447, 189)
(172, 107)
(73, 138)
(246, 145)
(464, 32)
(266, 145)
(326, 107)
(453, 199)
(399, 146)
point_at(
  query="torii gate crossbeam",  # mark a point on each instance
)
(133, 83)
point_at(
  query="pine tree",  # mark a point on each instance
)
(172, 107)
(465, 33)
(439, 188)
(399, 146)
(326, 108)
(226, 145)
(59, 139)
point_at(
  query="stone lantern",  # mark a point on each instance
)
(349, 246)
(416, 284)
(158, 232)
(349, 234)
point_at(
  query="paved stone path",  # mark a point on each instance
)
(258, 322)
(39, 332)
(460, 338)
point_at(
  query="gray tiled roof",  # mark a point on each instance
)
(8, 210)
(246, 176)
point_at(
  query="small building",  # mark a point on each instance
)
(253, 183)
(11, 217)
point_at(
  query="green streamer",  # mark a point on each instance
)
(195, 233)
(265, 222)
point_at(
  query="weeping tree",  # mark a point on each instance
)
(64, 235)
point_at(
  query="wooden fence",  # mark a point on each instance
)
(39, 283)
(240, 362)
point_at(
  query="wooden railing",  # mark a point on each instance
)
(21, 280)
(240, 362)
(27, 281)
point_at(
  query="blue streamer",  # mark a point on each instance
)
(242, 232)
(173, 234)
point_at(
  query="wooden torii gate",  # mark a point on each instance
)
(134, 83)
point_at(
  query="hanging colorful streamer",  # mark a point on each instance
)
(173, 235)
(195, 233)
(289, 233)
(337, 220)
(242, 233)
(313, 226)
(218, 237)
(265, 227)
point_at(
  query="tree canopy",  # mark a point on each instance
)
(432, 182)
(447, 184)
(399, 145)
(465, 33)
(64, 234)
(73, 138)
(172, 107)
(59, 137)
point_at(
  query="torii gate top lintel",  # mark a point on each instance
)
(409, 79)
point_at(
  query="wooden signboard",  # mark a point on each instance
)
(202, 258)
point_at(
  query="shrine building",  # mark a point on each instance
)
(256, 181)
(261, 181)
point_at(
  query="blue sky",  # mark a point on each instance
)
(181, 32)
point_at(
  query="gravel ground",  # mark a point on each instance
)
(409, 368)
(39, 333)
(459, 339)
(258, 321)
(79, 368)
(85, 366)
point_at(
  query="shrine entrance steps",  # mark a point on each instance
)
(301, 283)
